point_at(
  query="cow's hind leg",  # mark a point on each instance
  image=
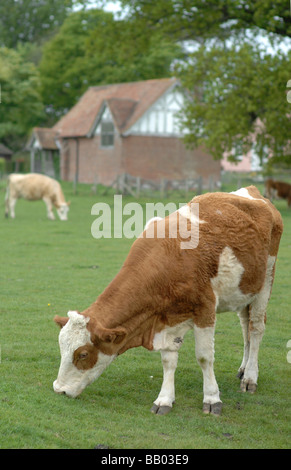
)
(6, 208)
(163, 404)
(256, 329)
(7, 202)
(257, 318)
(204, 349)
(244, 321)
(249, 375)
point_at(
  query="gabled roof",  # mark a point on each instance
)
(127, 103)
(45, 137)
(121, 110)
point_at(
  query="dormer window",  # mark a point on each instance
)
(107, 134)
(106, 128)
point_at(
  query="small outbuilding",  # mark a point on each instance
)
(44, 152)
(123, 129)
(5, 152)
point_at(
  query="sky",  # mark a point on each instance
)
(114, 7)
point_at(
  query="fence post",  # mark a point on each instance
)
(137, 186)
(162, 188)
(186, 188)
(120, 183)
(95, 184)
(200, 185)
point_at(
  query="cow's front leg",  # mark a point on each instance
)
(204, 349)
(163, 404)
(12, 203)
(49, 207)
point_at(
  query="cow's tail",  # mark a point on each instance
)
(7, 197)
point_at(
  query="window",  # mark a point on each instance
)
(107, 134)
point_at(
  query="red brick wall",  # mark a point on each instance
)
(148, 157)
(96, 164)
(166, 157)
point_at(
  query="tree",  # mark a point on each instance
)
(30, 20)
(192, 19)
(231, 88)
(232, 106)
(92, 48)
(21, 107)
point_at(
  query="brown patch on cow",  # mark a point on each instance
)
(85, 357)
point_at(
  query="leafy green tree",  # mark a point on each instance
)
(92, 48)
(238, 96)
(29, 20)
(21, 107)
(192, 19)
(231, 87)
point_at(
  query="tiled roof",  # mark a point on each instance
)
(121, 110)
(46, 137)
(127, 103)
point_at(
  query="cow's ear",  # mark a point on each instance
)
(114, 335)
(61, 321)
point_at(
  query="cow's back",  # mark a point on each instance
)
(241, 220)
(33, 186)
(246, 223)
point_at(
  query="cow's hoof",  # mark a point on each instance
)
(248, 386)
(212, 408)
(160, 410)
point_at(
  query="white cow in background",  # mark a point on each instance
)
(33, 187)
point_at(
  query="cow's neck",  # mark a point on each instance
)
(129, 302)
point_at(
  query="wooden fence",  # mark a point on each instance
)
(135, 185)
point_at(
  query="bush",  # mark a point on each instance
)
(2, 165)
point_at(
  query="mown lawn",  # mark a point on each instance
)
(49, 267)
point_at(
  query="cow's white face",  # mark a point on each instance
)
(62, 211)
(81, 361)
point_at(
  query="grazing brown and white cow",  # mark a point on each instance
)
(33, 187)
(162, 291)
(278, 190)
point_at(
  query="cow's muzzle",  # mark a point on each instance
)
(62, 391)
(58, 389)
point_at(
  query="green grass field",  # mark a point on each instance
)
(50, 267)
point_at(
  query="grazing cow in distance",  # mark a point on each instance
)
(278, 190)
(33, 187)
(162, 291)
